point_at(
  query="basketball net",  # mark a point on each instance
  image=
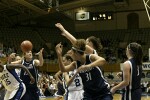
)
(147, 7)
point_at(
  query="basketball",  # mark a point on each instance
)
(26, 46)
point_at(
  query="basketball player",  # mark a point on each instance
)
(73, 82)
(132, 73)
(18, 70)
(93, 44)
(13, 57)
(12, 83)
(30, 63)
(94, 85)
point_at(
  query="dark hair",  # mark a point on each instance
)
(68, 57)
(96, 43)
(136, 51)
(79, 46)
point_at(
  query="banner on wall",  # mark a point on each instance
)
(82, 16)
(146, 66)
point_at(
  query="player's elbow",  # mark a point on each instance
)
(41, 64)
(103, 61)
(63, 70)
(126, 83)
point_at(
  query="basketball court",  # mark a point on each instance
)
(115, 97)
(15, 15)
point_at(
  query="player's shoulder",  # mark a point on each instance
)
(73, 63)
(126, 62)
(36, 62)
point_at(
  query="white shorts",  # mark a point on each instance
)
(18, 93)
(75, 95)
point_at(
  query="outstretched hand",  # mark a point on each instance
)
(58, 25)
(59, 48)
(40, 52)
(12, 55)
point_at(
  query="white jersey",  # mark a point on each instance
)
(75, 89)
(9, 79)
(95, 52)
(76, 85)
(18, 72)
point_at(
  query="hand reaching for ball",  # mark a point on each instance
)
(40, 52)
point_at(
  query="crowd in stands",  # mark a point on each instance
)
(48, 84)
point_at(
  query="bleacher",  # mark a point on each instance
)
(12, 37)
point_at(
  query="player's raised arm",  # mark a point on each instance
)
(65, 33)
(11, 59)
(71, 38)
(68, 79)
(40, 61)
(61, 65)
(58, 76)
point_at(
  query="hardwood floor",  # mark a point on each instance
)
(115, 97)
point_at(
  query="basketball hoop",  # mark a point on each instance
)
(147, 7)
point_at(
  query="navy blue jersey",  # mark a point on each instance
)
(61, 89)
(25, 77)
(133, 90)
(93, 80)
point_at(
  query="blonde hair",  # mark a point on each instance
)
(80, 46)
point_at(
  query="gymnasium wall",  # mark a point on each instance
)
(119, 21)
(54, 67)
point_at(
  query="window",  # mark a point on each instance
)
(102, 16)
(133, 21)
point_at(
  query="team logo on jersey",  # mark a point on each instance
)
(86, 70)
(5, 77)
(30, 66)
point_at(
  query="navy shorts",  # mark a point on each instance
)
(61, 90)
(134, 95)
(31, 94)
